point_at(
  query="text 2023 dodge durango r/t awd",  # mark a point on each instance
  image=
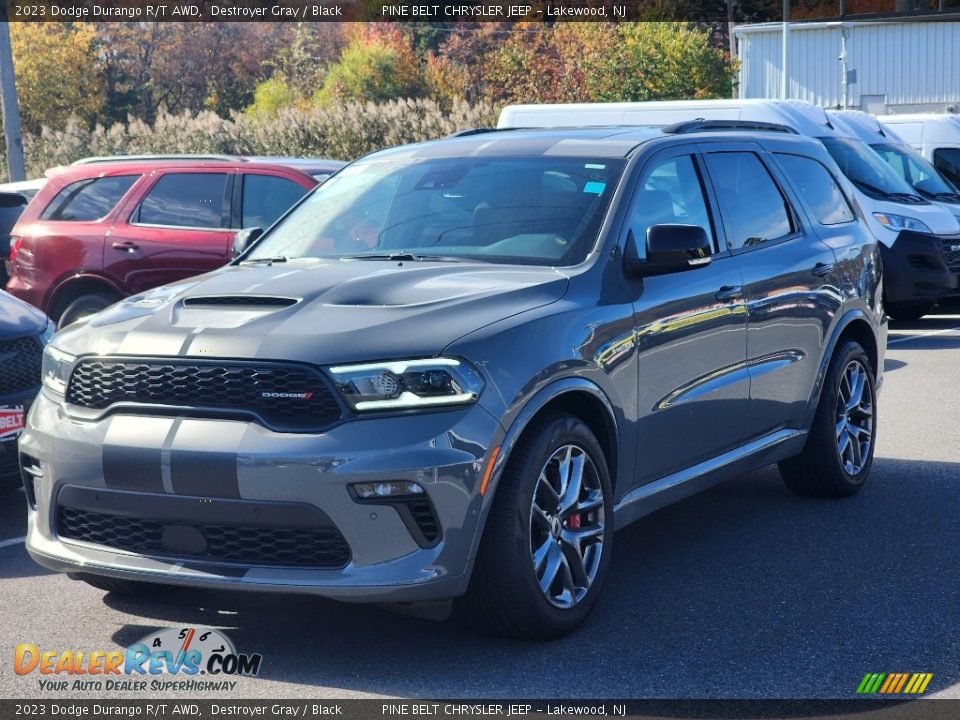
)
(456, 367)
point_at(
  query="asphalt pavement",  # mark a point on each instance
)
(744, 591)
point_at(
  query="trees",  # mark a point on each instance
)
(378, 63)
(57, 73)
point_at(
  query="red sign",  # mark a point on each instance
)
(12, 422)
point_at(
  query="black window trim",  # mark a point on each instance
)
(641, 173)
(837, 183)
(137, 177)
(225, 215)
(792, 215)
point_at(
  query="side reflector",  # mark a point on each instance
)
(489, 471)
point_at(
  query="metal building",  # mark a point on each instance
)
(880, 67)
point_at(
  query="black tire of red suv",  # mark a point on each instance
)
(83, 307)
(505, 596)
(906, 311)
(820, 469)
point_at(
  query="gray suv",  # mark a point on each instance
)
(455, 368)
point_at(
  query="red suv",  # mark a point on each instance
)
(105, 228)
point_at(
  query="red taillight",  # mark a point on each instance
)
(15, 244)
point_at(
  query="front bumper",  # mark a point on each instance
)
(917, 267)
(175, 472)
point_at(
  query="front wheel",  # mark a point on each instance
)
(838, 453)
(547, 543)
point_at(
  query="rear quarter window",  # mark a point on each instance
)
(89, 199)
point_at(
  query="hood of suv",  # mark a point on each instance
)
(317, 311)
(18, 318)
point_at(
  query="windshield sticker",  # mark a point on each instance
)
(594, 188)
(594, 166)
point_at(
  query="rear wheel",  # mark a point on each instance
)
(838, 453)
(909, 310)
(547, 543)
(85, 306)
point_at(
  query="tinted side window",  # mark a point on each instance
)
(89, 199)
(819, 188)
(266, 197)
(185, 200)
(947, 161)
(750, 200)
(671, 194)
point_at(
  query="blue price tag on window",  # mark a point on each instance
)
(594, 188)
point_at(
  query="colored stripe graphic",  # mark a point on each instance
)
(894, 683)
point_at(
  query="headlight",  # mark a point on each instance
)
(406, 384)
(56, 369)
(901, 222)
(48, 332)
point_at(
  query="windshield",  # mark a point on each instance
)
(917, 170)
(532, 211)
(867, 171)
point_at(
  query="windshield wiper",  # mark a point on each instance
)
(400, 256)
(265, 261)
(945, 196)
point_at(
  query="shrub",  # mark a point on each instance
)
(342, 131)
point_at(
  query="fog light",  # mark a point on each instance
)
(392, 489)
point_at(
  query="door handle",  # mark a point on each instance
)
(126, 246)
(729, 292)
(822, 269)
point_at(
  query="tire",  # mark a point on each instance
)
(909, 311)
(821, 469)
(129, 588)
(505, 596)
(83, 307)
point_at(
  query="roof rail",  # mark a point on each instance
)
(471, 131)
(139, 158)
(701, 125)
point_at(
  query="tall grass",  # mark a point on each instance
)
(343, 132)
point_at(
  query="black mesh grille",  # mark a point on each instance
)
(19, 364)
(320, 548)
(239, 301)
(282, 397)
(950, 255)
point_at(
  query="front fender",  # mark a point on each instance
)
(506, 443)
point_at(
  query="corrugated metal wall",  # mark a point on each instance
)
(905, 64)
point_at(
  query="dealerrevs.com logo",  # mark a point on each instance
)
(186, 653)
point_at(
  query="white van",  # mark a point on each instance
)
(936, 136)
(916, 235)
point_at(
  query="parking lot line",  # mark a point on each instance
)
(922, 335)
(13, 541)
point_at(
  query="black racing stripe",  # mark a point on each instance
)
(132, 468)
(207, 474)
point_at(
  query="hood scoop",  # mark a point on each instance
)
(243, 302)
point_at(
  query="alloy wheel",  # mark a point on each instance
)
(854, 418)
(567, 526)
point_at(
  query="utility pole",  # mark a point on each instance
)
(784, 75)
(11, 111)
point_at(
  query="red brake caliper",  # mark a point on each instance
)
(573, 522)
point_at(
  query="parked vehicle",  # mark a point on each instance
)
(105, 228)
(456, 367)
(913, 232)
(909, 164)
(936, 136)
(14, 197)
(23, 333)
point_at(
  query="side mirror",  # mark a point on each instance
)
(244, 239)
(669, 249)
